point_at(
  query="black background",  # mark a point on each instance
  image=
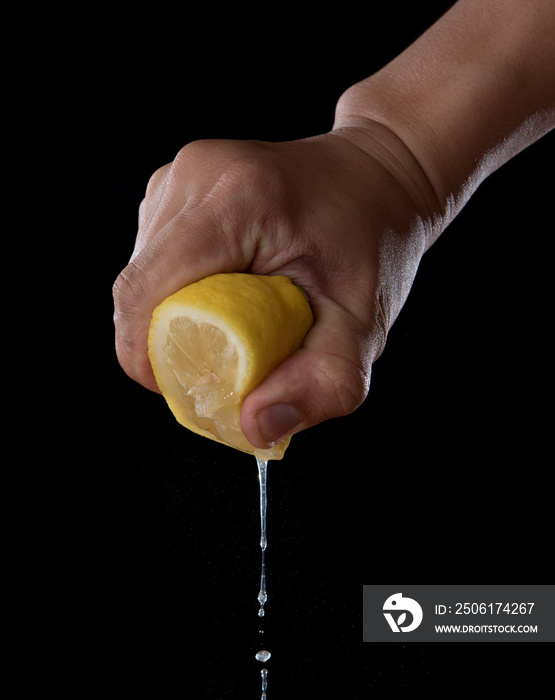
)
(440, 473)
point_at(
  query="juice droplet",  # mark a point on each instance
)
(262, 596)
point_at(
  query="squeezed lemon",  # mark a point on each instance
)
(211, 343)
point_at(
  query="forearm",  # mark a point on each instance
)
(474, 90)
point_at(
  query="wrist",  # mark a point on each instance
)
(381, 142)
(474, 90)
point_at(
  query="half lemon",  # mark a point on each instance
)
(211, 343)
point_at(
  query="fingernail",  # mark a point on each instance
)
(276, 421)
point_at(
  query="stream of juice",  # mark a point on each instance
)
(263, 655)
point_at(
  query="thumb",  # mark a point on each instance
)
(326, 378)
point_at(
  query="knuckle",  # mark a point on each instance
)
(131, 298)
(382, 324)
(344, 385)
(153, 195)
(235, 165)
(157, 180)
(142, 211)
(191, 157)
(129, 291)
(194, 150)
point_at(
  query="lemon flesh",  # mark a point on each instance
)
(211, 343)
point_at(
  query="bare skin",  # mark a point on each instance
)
(347, 215)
